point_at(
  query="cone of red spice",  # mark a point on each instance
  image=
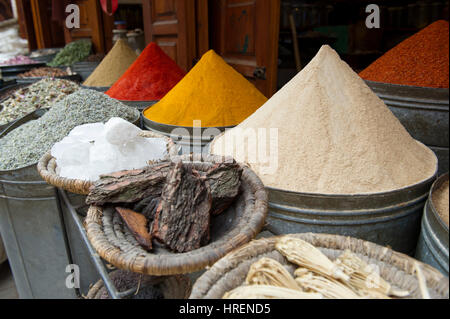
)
(421, 60)
(149, 78)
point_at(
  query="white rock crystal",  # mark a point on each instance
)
(91, 150)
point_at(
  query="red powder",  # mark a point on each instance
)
(149, 78)
(421, 60)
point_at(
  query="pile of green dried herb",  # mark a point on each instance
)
(41, 94)
(26, 144)
(73, 52)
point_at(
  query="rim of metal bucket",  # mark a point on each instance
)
(354, 204)
(430, 202)
(167, 129)
(102, 89)
(425, 97)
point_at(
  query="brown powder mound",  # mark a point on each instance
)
(115, 63)
(440, 201)
(421, 60)
(335, 136)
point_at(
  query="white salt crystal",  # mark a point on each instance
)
(118, 131)
(59, 147)
(87, 132)
(76, 153)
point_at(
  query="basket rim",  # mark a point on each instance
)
(47, 165)
(243, 231)
(255, 248)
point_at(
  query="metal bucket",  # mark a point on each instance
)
(140, 106)
(78, 250)
(433, 241)
(102, 89)
(389, 219)
(33, 233)
(423, 112)
(191, 139)
(84, 69)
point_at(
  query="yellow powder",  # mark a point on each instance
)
(212, 92)
(115, 63)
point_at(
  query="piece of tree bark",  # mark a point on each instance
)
(224, 181)
(182, 218)
(138, 225)
(148, 207)
(129, 186)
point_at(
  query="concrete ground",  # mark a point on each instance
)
(7, 286)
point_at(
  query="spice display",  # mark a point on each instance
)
(421, 60)
(42, 94)
(116, 62)
(26, 144)
(348, 277)
(441, 201)
(149, 78)
(18, 60)
(334, 136)
(48, 72)
(170, 203)
(73, 52)
(212, 92)
(91, 150)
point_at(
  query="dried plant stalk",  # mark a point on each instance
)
(268, 271)
(422, 282)
(328, 287)
(268, 292)
(303, 254)
(365, 279)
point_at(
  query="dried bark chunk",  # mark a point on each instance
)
(137, 224)
(182, 218)
(224, 181)
(129, 186)
(148, 207)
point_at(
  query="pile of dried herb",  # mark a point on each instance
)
(26, 144)
(170, 203)
(41, 94)
(47, 72)
(73, 52)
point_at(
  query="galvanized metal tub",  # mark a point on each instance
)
(78, 250)
(433, 241)
(389, 219)
(33, 233)
(191, 139)
(3, 257)
(102, 89)
(140, 106)
(84, 69)
(423, 111)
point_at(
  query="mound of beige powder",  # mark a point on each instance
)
(334, 136)
(114, 64)
(440, 201)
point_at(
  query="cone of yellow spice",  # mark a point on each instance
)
(212, 92)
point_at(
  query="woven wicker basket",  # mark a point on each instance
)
(231, 229)
(396, 268)
(171, 287)
(47, 169)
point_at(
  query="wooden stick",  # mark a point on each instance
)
(295, 43)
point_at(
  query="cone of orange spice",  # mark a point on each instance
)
(212, 92)
(421, 60)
